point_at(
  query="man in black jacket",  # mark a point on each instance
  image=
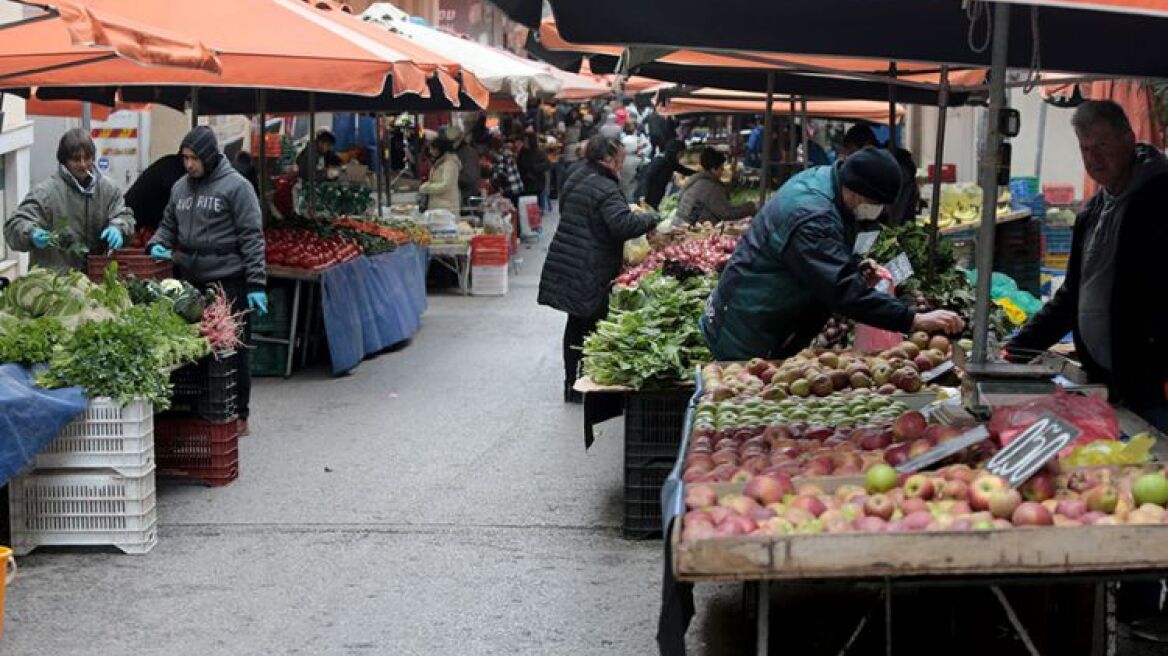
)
(660, 171)
(150, 193)
(1107, 301)
(585, 254)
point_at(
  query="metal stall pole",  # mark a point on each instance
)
(1041, 140)
(194, 107)
(938, 157)
(792, 136)
(379, 162)
(262, 110)
(309, 177)
(763, 631)
(988, 178)
(86, 116)
(803, 138)
(892, 107)
(767, 135)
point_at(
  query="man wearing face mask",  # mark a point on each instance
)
(76, 204)
(795, 266)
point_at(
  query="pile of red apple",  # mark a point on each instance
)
(799, 450)
(956, 498)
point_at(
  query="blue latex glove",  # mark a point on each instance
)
(39, 237)
(159, 252)
(113, 237)
(258, 301)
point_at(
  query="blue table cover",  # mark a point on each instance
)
(372, 303)
(30, 417)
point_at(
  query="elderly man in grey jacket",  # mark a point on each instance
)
(213, 231)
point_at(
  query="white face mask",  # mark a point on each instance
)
(868, 211)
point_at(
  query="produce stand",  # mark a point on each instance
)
(368, 304)
(455, 257)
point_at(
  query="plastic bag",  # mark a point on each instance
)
(637, 250)
(1092, 415)
(874, 340)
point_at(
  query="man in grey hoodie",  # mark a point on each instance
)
(77, 204)
(213, 231)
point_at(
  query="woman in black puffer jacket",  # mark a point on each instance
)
(586, 252)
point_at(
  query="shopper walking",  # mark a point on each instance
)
(586, 251)
(75, 205)
(636, 149)
(213, 231)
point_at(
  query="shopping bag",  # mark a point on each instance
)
(530, 216)
(874, 340)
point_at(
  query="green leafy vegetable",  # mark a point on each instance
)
(29, 341)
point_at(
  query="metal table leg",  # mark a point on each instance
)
(292, 328)
(764, 618)
(1014, 621)
(888, 616)
(464, 275)
(308, 314)
(1105, 634)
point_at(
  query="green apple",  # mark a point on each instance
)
(880, 478)
(1151, 488)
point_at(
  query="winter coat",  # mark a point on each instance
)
(214, 228)
(904, 209)
(586, 252)
(790, 271)
(1139, 321)
(60, 204)
(471, 173)
(533, 167)
(657, 175)
(705, 198)
(442, 187)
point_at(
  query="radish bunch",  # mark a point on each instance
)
(708, 254)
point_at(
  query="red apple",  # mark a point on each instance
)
(739, 503)
(1004, 501)
(700, 496)
(875, 441)
(698, 516)
(1039, 487)
(919, 448)
(1002, 523)
(761, 513)
(742, 476)
(1102, 498)
(983, 486)
(919, 486)
(766, 489)
(811, 504)
(719, 514)
(723, 472)
(879, 505)
(897, 454)
(698, 531)
(699, 460)
(960, 508)
(918, 521)
(871, 524)
(913, 505)
(725, 457)
(1031, 513)
(958, 473)
(955, 490)
(909, 426)
(798, 516)
(1093, 517)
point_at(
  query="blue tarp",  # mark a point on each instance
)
(30, 417)
(373, 303)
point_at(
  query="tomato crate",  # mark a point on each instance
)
(208, 387)
(642, 517)
(654, 423)
(131, 262)
(85, 508)
(193, 448)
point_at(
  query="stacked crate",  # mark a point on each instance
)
(198, 439)
(1056, 252)
(654, 423)
(92, 486)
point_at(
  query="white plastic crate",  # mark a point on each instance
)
(488, 280)
(105, 437)
(82, 508)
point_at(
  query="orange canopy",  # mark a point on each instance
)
(72, 108)
(1144, 7)
(82, 35)
(721, 101)
(263, 44)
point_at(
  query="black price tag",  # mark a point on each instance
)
(944, 450)
(1031, 450)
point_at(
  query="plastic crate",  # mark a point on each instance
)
(278, 320)
(54, 508)
(654, 423)
(208, 388)
(1058, 261)
(131, 262)
(189, 447)
(268, 359)
(642, 518)
(1056, 240)
(1059, 193)
(489, 280)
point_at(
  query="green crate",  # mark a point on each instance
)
(269, 359)
(279, 317)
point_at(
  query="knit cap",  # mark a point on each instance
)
(873, 173)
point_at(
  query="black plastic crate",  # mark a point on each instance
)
(642, 519)
(654, 423)
(208, 388)
(278, 319)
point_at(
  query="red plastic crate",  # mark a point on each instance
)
(948, 172)
(189, 447)
(1059, 193)
(489, 250)
(131, 262)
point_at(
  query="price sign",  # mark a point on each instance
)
(865, 241)
(944, 450)
(1031, 450)
(900, 268)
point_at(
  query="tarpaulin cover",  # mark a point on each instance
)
(30, 417)
(373, 303)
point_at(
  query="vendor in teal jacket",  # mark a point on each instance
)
(795, 266)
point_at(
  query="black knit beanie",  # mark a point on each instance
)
(202, 140)
(873, 173)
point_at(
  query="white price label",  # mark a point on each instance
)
(865, 241)
(900, 268)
